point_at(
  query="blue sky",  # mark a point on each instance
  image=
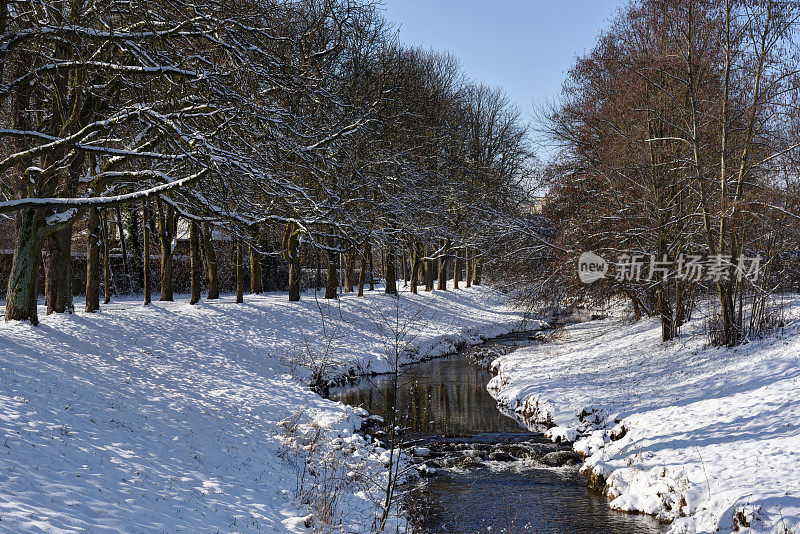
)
(524, 45)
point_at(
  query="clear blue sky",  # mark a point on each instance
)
(524, 45)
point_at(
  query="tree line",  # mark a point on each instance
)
(299, 129)
(678, 137)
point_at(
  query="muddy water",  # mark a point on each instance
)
(485, 472)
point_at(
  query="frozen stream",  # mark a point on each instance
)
(487, 472)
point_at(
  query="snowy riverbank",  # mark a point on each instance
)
(706, 438)
(198, 418)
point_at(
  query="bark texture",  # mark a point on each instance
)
(21, 291)
(58, 271)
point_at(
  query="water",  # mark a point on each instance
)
(444, 406)
(445, 397)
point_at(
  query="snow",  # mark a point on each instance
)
(198, 418)
(19, 203)
(63, 216)
(708, 438)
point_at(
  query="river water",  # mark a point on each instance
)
(472, 484)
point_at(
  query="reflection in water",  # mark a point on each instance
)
(444, 397)
(447, 397)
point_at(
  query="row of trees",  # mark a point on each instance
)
(299, 129)
(679, 135)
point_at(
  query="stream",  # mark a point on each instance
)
(482, 470)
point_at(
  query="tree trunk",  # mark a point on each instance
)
(294, 275)
(442, 282)
(637, 306)
(391, 272)
(415, 268)
(256, 284)
(362, 279)
(429, 274)
(194, 261)
(476, 271)
(665, 310)
(211, 261)
(371, 270)
(106, 258)
(664, 304)
(146, 255)
(93, 261)
(339, 282)
(456, 271)
(239, 271)
(404, 269)
(166, 234)
(21, 290)
(332, 283)
(58, 254)
(729, 330)
(318, 276)
(291, 253)
(349, 269)
(126, 265)
(468, 267)
(58, 271)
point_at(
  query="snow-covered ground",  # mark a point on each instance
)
(707, 438)
(198, 418)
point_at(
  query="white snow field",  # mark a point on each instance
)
(704, 437)
(179, 418)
